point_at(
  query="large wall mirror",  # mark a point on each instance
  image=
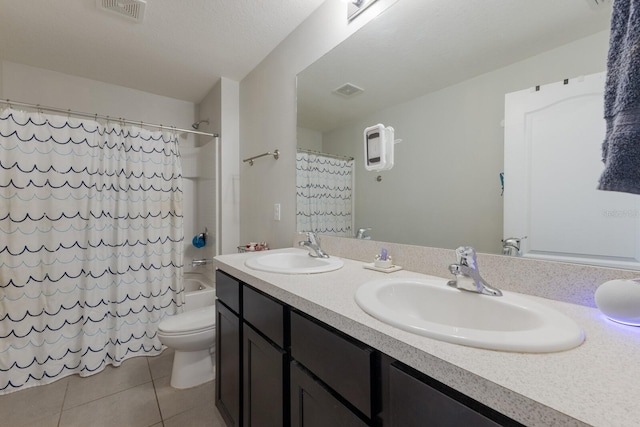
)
(438, 72)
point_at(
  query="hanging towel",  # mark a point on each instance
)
(621, 147)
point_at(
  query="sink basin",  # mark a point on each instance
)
(430, 308)
(293, 263)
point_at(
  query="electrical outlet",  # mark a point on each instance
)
(276, 212)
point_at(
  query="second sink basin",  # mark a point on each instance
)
(428, 307)
(298, 262)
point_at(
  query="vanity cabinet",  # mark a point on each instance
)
(279, 367)
(228, 348)
(251, 362)
(265, 362)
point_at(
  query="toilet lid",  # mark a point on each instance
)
(189, 321)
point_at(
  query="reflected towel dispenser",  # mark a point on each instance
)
(378, 147)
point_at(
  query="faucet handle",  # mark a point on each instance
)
(513, 241)
(466, 255)
(362, 233)
(312, 237)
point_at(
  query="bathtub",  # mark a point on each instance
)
(198, 290)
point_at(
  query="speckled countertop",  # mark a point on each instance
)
(597, 383)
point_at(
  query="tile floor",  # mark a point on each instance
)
(135, 394)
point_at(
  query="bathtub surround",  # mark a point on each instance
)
(92, 247)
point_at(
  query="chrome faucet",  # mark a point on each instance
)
(511, 246)
(467, 275)
(362, 233)
(313, 246)
(197, 262)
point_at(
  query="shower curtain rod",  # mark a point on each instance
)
(333, 156)
(99, 116)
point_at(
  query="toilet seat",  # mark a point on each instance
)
(189, 322)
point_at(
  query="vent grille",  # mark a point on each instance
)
(597, 4)
(132, 10)
(348, 90)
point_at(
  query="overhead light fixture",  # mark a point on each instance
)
(356, 7)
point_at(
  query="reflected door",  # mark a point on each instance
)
(553, 139)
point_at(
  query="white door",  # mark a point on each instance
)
(553, 139)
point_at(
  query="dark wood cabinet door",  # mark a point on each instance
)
(414, 403)
(340, 362)
(263, 381)
(228, 363)
(313, 406)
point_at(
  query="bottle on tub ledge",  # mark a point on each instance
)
(253, 247)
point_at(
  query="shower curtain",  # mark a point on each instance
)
(90, 244)
(324, 194)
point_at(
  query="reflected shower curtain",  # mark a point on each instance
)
(91, 245)
(324, 194)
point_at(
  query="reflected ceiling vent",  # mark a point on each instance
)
(132, 10)
(348, 90)
(599, 4)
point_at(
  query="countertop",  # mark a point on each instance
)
(597, 383)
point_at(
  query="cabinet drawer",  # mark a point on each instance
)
(228, 290)
(264, 314)
(341, 363)
(414, 403)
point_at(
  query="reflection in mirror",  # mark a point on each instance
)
(438, 73)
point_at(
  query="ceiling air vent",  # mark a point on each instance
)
(132, 10)
(597, 4)
(348, 90)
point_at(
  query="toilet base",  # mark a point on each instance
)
(191, 368)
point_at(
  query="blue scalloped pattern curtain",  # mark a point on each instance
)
(90, 245)
(324, 194)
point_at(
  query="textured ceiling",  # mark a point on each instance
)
(180, 50)
(420, 46)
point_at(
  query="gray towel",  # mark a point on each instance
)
(621, 147)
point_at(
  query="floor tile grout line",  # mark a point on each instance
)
(108, 395)
(155, 391)
(66, 390)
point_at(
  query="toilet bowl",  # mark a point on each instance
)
(192, 335)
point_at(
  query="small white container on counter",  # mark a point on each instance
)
(619, 300)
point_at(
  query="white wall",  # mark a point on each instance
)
(268, 121)
(54, 89)
(444, 190)
(309, 139)
(230, 166)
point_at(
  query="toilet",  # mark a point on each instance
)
(192, 335)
